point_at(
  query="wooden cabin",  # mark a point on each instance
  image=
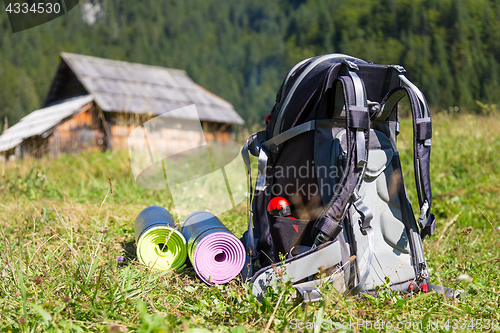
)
(96, 103)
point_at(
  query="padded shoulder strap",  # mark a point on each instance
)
(422, 133)
(329, 223)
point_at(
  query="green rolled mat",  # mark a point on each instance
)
(160, 245)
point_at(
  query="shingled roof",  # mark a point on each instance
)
(42, 122)
(119, 86)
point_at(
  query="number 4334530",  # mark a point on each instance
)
(36, 8)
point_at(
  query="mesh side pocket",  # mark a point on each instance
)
(288, 233)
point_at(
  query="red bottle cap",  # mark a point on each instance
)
(279, 206)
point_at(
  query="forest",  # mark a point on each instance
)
(242, 50)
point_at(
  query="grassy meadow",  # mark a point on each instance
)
(62, 231)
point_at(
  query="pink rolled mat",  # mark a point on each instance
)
(216, 254)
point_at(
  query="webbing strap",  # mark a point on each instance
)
(250, 251)
(260, 184)
(422, 133)
(447, 292)
(252, 146)
(361, 109)
(273, 143)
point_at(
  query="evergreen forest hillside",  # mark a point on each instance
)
(242, 50)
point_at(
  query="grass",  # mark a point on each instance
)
(62, 230)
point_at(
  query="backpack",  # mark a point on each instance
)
(329, 150)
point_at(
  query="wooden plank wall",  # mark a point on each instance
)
(170, 137)
(217, 132)
(35, 146)
(82, 132)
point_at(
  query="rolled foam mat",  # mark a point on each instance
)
(160, 244)
(216, 254)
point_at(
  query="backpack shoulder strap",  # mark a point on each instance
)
(329, 223)
(422, 133)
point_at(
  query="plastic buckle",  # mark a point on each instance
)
(351, 65)
(423, 275)
(365, 213)
(309, 294)
(422, 219)
(321, 238)
(374, 108)
(273, 148)
(399, 68)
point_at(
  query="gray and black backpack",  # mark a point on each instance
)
(329, 205)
